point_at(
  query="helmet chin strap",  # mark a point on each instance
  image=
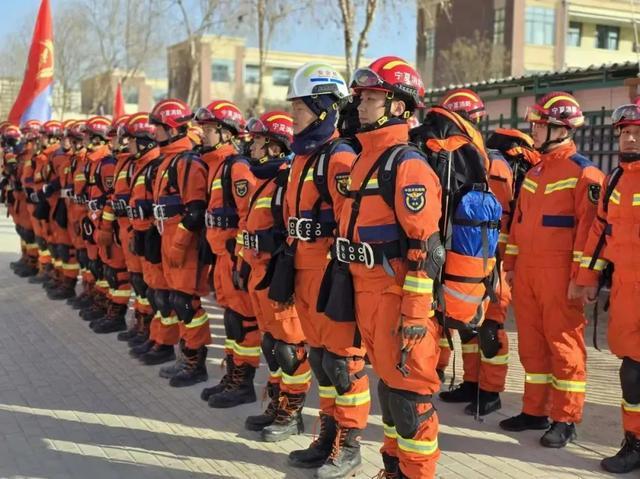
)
(544, 148)
(387, 117)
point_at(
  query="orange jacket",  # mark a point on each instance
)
(60, 165)
(99, 170)
(118, 196)
(621, 221)
(42, 168)
(501, 184)
(417, 213)
(141, 198)
(242, 187)
(313, 254)
(555, 209)
(26, 176)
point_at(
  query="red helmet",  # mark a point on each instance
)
(626, 115)
(3, 125)
(223, 112)
(173, 113)
(53, 128)
(32, 129)
(139, 126)
(76, 129)
(557, 108)
(464, 101)
(116, 123)
(277, 125)
(394, 75)
(66, 124)
(11, 131)
(98, 126)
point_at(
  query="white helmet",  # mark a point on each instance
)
(313, 79)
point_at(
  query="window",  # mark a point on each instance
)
(281, 76)
(607, 37)
(498, 26)
(431, 43)
(539, 26)
(251, 74)
(222, 71)
(574, 34)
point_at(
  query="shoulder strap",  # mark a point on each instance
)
(357, 198)
(388, 168)
(225, 179)
(277, 201)
(322, 167)
(602, 240)
(259, 190)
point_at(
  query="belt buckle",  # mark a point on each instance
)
(208, 220)
(368, 257)
(92, 205)
(34, 197)
(246, 239)
(159, 215)
(300, 227)
(342, 250)
(129, 211)
(121, 205)
(292, 226)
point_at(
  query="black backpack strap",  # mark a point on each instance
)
(322, 168)
(228, 200)
(611, 185)
(277, 201)
(388, 168)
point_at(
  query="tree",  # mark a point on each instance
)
(350, 10)
(427, 13)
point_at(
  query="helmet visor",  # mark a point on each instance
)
(203, 115)
(534, 115)
(255, 126)
(366, 78)
(626, 114)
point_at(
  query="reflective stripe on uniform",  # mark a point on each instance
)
(101, 283)
(615, 197)
(297, 379)
(418, 285)
(216, 185)
(529, 185)
(628, 407)
(328, 392)
(566, 184)
(244, 351)
(577, 256)
(275, 374)
(503, 238)
(444, 343)
(599, 266)
(568, 385)
(501, 360)
(197, 321)
(70, 266)
(537, 378)
(169, 320)
(357, 399)
(229, 343)
(469, 348)
(512, 249)
(263, 202)
(140, 181)
(425, 448)
(636, 199)
(120, 293)
(309, 176)
(469, 298)
(390, 431)
(143, 301)
(108, 216)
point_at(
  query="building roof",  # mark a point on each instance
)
(608, 74)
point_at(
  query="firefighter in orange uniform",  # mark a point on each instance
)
(282, 337)
(553, 215)
(614, 239)
(485, 352)
(179, 194)
(315, 197)
(231, 185)
(386, 235)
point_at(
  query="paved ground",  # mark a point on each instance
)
(75, 405)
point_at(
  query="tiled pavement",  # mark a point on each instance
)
(73, 404)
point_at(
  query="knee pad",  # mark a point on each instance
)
(53, 250)
(110, 276)
(163, 302)
(183, 306)
(139, 286)
(630, 380)
(64, 252)
(233, 326)
(488, 338)
(287, 356)
(151, 297)
(268, 346)
(28, 235)
(97, 268)
(337, 368)
(83, 257)
(383, 397)
(315, 361)
(404, 411)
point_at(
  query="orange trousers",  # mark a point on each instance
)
(378, 304)
(551, 342)
(350, 409)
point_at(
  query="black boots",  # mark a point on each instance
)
(489, 402)
(260, 421)
(626, 459)
(288, 419)
(239, 390)
(227, 362)
(139, 350)
(66, 290)
(524, 421)
(142, 336)
(133, 331)
(345, 458)
(113, 321)
(465, 392)
(317, 453)
(194, 370)
(391, 467)
(559, 435)
(158, 354)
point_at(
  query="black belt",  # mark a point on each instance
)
(266, 242)
(95, 205)
(305, 229)
(164, 212)
(120, 207)
(347, 251)
(221, 221)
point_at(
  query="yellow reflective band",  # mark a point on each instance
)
(425, 448)
(328, 392)
(309, 176)
(353, 399)
(615, 197)
(415, 284)
(102, 283)
(229, 343)
(628, 407)
(241, 253)
(501, 360)
(44, 252)
(70, 266)
(108, 216)
(31, 245)
(541, 378)
(503, 238)
(120, 293)
(558, 98)
(263, 202)
(529, 185)
(122, 175)
(140, 181)
(276, 375)
(636, 199)
(390, 431)
(79, 177)
(243, 351)
(443, 343)
(182, 227)
(569, 386)
(57, 263)
(512, 249)
(216, 185)
(143, 301)
(169, 321)
(470, 348)
(372, 184)
(566, 184)
(577, 256)
(297, 379)
(198, 321)
(599, 266)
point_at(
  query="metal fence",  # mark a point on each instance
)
(595, 140)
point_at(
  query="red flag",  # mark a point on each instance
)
(34, 100)
(118, 102)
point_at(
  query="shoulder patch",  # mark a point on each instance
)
(241, 187)
(593, 192)
(581, 161)
(108, 182)
(342, 183)
(415, 197)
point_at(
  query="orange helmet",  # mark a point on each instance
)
(98, 126)
(116, 123)
(53, 128)
(139, 126)
(465, 102)
(172, 113)
(76, 130)
(276, 125)
(32, 129)
(223, 112)
(392, 75)
(557, 108)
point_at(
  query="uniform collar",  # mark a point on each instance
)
(382, 138)
(214, 157)
(178, 146)
(149, 156)
(563, 151)
(99, 153)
